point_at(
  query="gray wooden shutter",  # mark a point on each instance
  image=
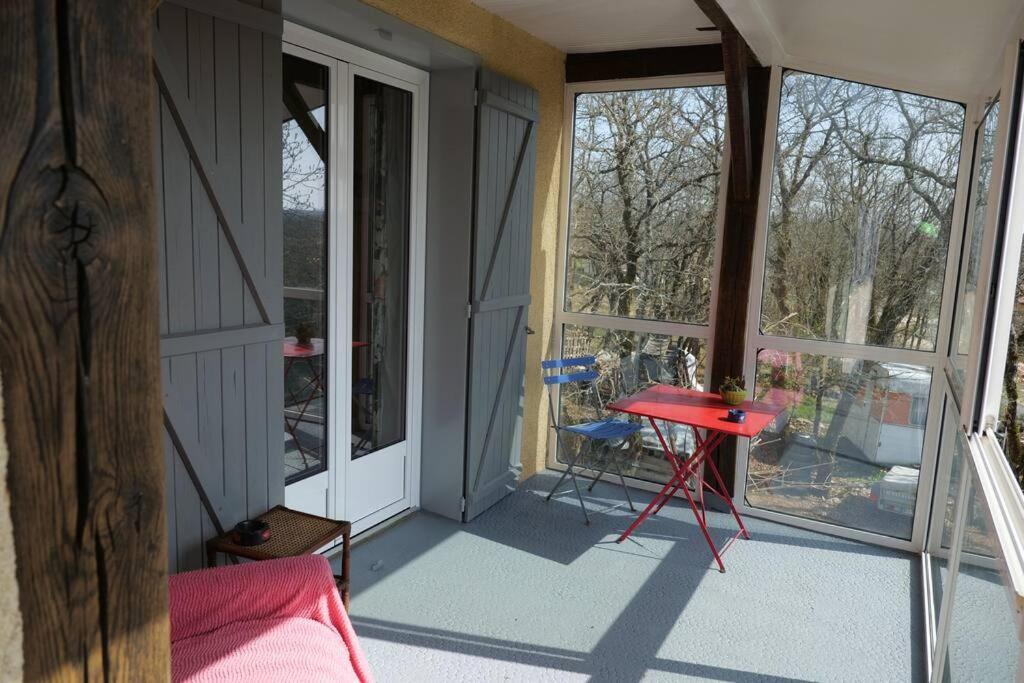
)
(218, 183)
(506, 161)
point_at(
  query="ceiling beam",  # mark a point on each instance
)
(737, 58)
(643, 63)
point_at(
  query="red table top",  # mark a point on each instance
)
(699, 409)
(292, 349)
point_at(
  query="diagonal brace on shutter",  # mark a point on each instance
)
(191, 134)
(524, 147)
(497, 396)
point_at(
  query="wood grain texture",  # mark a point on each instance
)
(734, 271)
(737, 57)
(79, 338)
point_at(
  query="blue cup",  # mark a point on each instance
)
(737, 415)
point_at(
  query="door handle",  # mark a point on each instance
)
(529, 330)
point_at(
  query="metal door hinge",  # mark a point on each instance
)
(462, 505)
(476, 97)
(469, 310)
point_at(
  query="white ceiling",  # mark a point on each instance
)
(943, 47)
(604, 25)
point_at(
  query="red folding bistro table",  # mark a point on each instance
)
(698, 410)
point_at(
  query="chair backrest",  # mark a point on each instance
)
(562, 364)
(568, 371)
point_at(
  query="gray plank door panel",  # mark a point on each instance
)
(218, 165)
(506, 157)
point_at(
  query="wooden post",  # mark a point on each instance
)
(746, 84)
(79, 338)
(734, 271)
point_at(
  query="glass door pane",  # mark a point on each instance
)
(304, 140)
(982, 641)
(382, 155)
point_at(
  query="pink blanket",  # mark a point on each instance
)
(279, 620)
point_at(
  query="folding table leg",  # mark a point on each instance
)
(658, 499)
(704, 529)
(726, 497)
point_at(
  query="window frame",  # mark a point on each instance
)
(561, 316)
(1000, 260)
(935, 360)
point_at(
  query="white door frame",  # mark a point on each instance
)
(347, 61)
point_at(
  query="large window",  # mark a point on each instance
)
(645, 178)
(861, 207)
(641, 245)
(863, 184)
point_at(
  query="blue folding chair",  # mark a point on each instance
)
(608, 431)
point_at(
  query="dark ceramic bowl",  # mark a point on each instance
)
(250, 532)
(737, 415)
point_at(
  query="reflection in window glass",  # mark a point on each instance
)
(981, 181)
(845, 451)
(983, 644)
(1011, 406)
(304, 203)
(626, 363)
(861, 205)
(381, 189)
(645, 174)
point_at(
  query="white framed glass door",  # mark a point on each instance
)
(373, 137)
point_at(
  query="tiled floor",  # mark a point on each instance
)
(526, 592)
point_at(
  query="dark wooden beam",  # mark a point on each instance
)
(79, 347)
(736, 262)
(737, 58)
(659, 61)
(310, 126)
(734, 57)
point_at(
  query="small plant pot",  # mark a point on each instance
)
(734, 398)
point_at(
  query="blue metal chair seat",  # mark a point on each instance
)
(605, 429)
(610, 432)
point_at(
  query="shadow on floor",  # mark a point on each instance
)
(528, 592)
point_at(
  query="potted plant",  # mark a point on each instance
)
(304, 335)
(733, 390)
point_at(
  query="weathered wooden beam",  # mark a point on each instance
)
(734, 59)
(79, 338)
(737, 58)
(729, 344)
(310, 127)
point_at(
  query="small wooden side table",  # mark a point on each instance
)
(291, 533)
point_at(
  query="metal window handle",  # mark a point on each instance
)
(529, 330)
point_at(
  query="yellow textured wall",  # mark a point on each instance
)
(519, 55)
